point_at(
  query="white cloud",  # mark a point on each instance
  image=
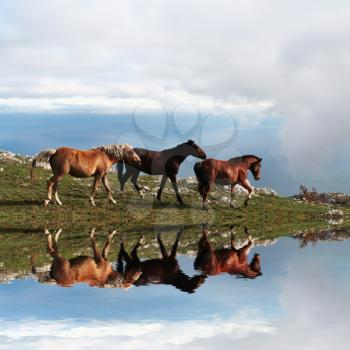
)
(250, 58)
(70, 334)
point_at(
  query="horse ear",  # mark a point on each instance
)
(260, 159)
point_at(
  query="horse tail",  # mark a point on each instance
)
(120, 168)
(43, 156)
(200, 172)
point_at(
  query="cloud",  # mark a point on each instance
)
(70, 334)
(248, 58)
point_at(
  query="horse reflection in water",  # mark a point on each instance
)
(227, 260)
(165, 270)
(96, 271)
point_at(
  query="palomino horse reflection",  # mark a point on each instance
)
(226, 260)
(95, 162)
(165, 270)
(96, 271)
(231, 172)
(166, 163)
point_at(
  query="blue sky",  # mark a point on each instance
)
(28, 134)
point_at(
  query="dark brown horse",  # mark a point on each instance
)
(95, 162)
(227, 260)
(165, 270)
(231, 172)
(166, 163)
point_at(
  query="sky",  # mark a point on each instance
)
(250, 59)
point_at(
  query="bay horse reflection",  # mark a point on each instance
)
(94, 162)
(96, 271)
(226, 260)
(166, 163)
(231, 172)
(165, 270)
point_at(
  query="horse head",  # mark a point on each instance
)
(194, 150)
(255, 267)
(130, 156)
(255, 168)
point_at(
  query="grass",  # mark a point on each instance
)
(23, 216)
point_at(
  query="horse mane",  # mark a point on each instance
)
(242, 158)
(114, 150)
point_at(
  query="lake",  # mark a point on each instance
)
(299, 299)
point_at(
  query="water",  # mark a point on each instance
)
(221, 137)
(301, 300)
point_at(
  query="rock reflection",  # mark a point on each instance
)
(313, 236)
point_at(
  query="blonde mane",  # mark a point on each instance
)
(115, 150)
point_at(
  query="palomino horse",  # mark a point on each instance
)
(96, 271)
(166, 163)
(227, 260)
(231, 172)
(95, 162)
(165, 270)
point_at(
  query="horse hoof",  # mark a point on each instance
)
(46, 203)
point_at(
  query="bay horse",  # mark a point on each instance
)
(166, 163)
(94, 162)
(226, 260)
(96, 271)
(231, 172)
(165, 270)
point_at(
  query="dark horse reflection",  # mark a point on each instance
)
(226, 260)
(165, 270)
(96, 271)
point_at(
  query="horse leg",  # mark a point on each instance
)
(174, 183)
(232, 238)
(94, 188)
(108, 189)
(134, 178)
(246, 184)
(162, 184)
(205, 191)
(161, 247)
(176, 244)
(124, 178)
(204, 243)
(97, 254)
(55, 185)
(50, 183)
(232, 205)
(134, 255)
(107, 245)
(244, 251)
(52, 248)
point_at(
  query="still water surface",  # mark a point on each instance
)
(301, 300)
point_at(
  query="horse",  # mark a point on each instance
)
(231, 172)
(226, 260)
(165, 270)
(96, 271)
(166, 163)
(94, 162)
